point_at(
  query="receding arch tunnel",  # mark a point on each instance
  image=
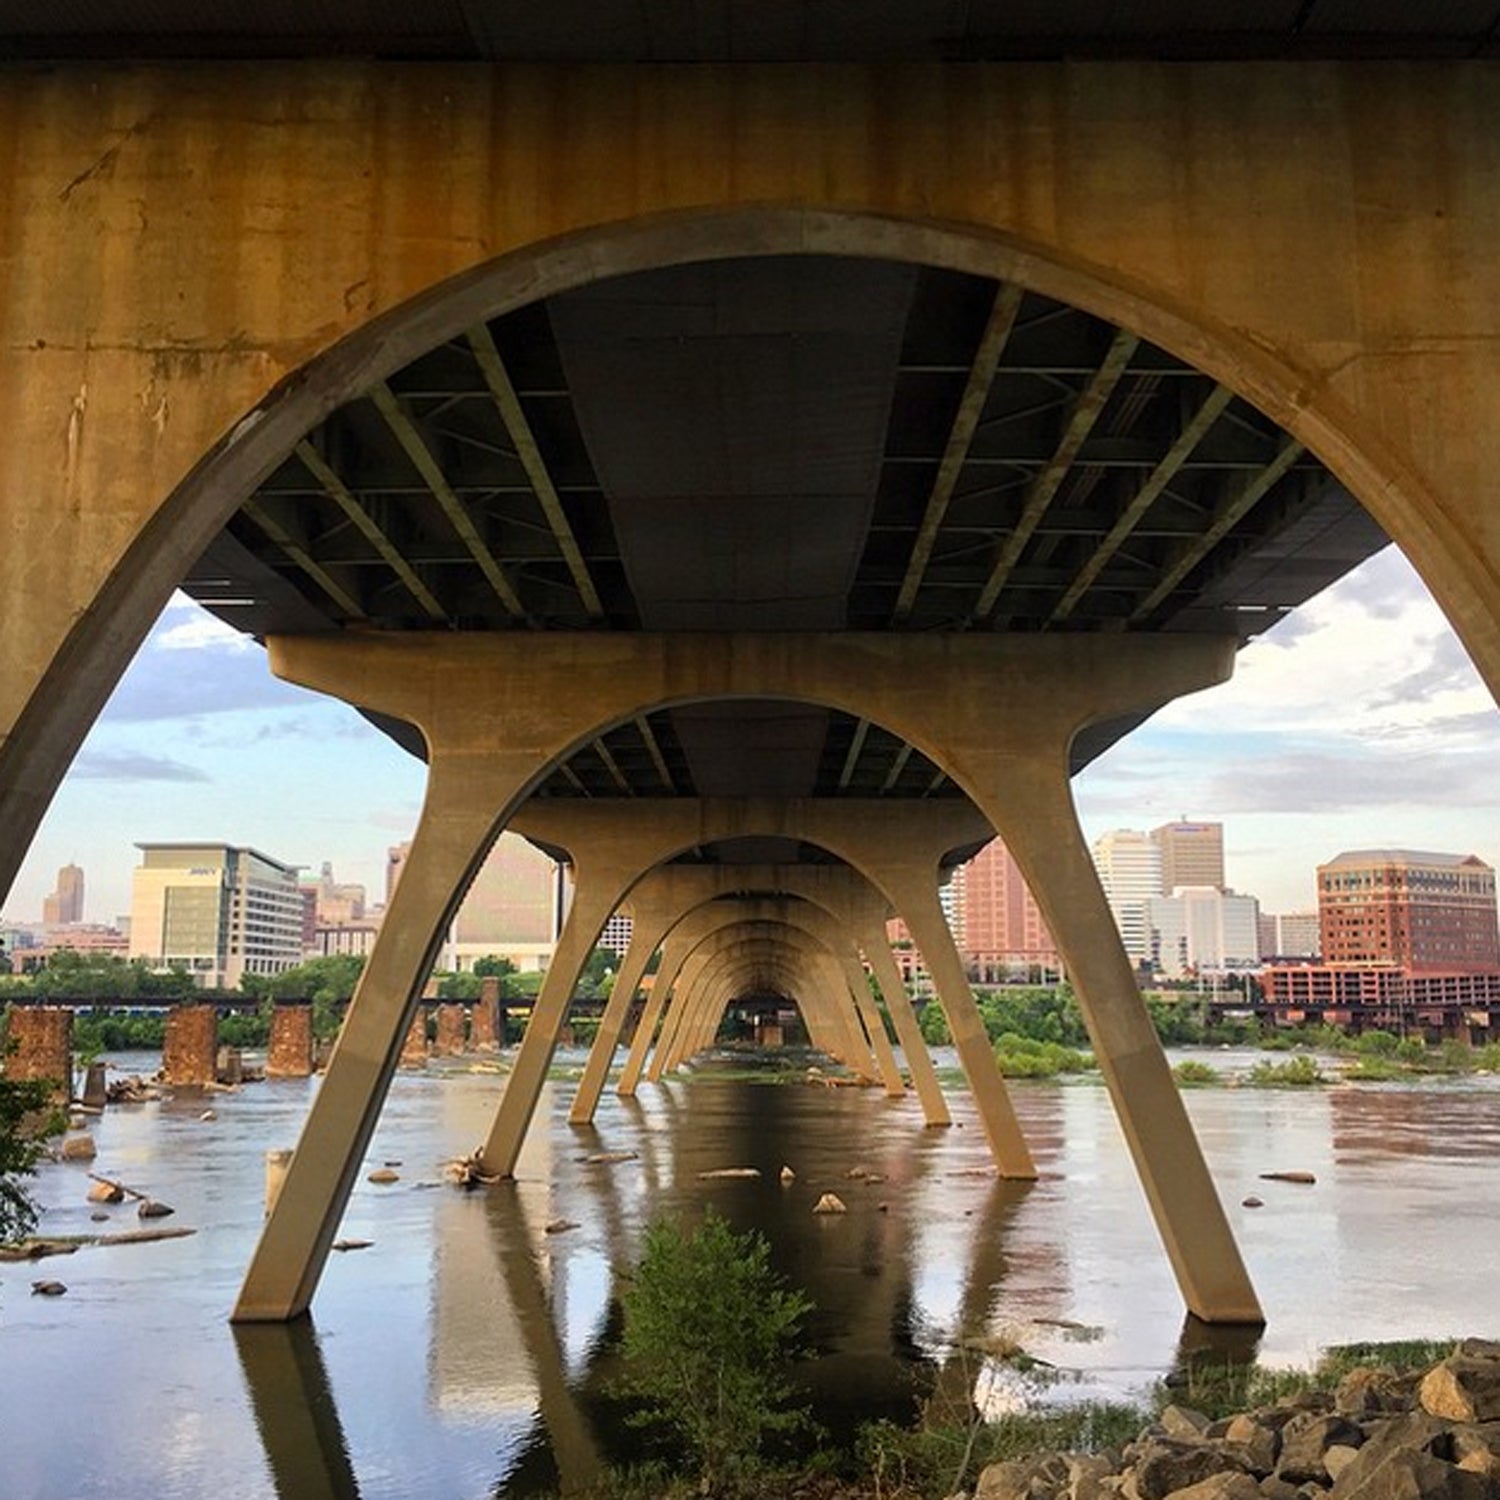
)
(781, 445)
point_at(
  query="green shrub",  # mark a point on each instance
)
(1374, 1070)
(1296, 1072)
(1193, 1074)
(709, 1331)
(1021, 1057)
(26, 1120)
(1377, 1043)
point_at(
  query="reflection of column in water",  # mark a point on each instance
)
(480, 1363)
(515, 1250)
(294, 1411)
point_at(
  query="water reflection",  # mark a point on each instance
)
(469, 1351)
(295, 1413)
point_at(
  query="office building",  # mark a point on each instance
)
(1293, 934)
(1200, 929)
(1129, 866)
(65, 905)
(999, 927)
(1191, 854)
(1422, 912)
(217, 911)
(513, 909)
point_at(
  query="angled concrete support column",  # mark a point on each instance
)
(877, 951)
(653, 1016)
(649, 923)
(846, 960)
(455, 830)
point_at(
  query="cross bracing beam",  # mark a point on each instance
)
(1086, 412)
(482, 342)
(337, 491)
(1134, 510)
(415, 446)
(1238, 503)
(653, 748)
(299, 554)
(966, 420)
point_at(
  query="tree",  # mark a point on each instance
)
(26, 1120)
(709, 1330)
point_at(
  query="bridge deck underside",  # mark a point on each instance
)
(786, 443)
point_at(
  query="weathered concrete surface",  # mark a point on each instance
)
(449, 1041)
(177, 242)
(41, 1038)
(484, 1016)
(190, 1049)
(290, 1054)
(414, 1047)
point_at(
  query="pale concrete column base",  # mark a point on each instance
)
(917, 901)
(649, 923)
(456, 827)
(908, 1031)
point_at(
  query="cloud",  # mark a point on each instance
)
(201, 631)
(1447, 669)
(1327, 782)
(131, 765)
(186, 684)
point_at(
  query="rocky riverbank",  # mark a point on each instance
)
(1378, 1435)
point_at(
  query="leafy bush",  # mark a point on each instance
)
(709, 1331)
(1296, 1072)
(1021, 1057)
(1194, 1074)
(26, 1120)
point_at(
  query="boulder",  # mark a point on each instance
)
(1409, 1475)
(787, 1175)
(1395, 1438)
(1164, 1466)
(1226, 1486)
(830, 1203)
(47, 1289)
(1087, 1473)
(78, 1148)
(382, 1175)
(151, 1208)
(105, 1192)
(1476, 1448)
(1183, 1423)
(1015, 1479)
(1254, 1444)
(1272, 1488)
(1462, 1389)
(1367, 1392)
(1307, 1438)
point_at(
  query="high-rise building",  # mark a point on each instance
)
(218, 911)
(1000, 926)
(1129, 866)
(1191, 854)
(1423, 912)
(1292, 934)
(65, 904)
(1200, 929)
(616, 934)
(336, 904)
(511, 909)
(395, 861)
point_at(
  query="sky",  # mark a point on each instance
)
(1357, 722)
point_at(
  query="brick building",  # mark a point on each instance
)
(1421, 912)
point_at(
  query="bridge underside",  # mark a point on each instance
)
(743, 481)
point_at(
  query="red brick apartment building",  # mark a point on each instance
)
(1402, 932)
(1425, 913)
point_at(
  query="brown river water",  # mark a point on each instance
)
(466, 1352)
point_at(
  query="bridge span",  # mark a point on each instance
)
(760, 477)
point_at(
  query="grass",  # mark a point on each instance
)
(1221, 1389)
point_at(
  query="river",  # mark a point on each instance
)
(464, 1354)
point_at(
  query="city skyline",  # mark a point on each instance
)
(1322, 741)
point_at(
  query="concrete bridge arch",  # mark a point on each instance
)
(134, 441)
